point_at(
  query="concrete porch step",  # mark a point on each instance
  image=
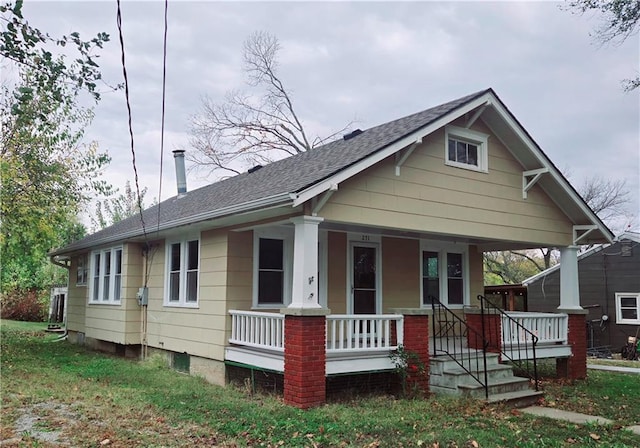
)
(496, 386)
(518, 399)
(472, 359)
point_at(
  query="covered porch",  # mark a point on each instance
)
(357, 344)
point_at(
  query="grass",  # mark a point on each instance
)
(92, 397)
(615, 396)
(614, 362)
(15, 325)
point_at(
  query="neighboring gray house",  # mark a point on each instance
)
(609, 279)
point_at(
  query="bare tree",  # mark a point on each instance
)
(608, 198)
(620, 20)
(249, 129)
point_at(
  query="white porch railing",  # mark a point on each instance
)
(260, 330)
(345, 332)
(363, 332)
(550, 328)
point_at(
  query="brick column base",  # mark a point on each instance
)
(492, 330)
(575, 367)
(304, 360)
(416, 340)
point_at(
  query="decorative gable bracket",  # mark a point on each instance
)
(476, 115)
(581, 231)
(402, 156)
(319, 203)
(530, 178)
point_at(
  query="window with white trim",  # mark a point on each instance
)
(444, 276)
(628, 308)
(183, 270)
(106, 276)
(272, 268)
(82, 270)
(465, 148)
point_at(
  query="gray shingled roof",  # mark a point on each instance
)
(290, 175)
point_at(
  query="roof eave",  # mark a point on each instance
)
(558, 177)
(282, 200)
(370, 160)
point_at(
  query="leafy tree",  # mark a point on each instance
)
(255, 128)
(115, 209)
(620, 21)
(29, 48)
(47, 172)
(511, 267)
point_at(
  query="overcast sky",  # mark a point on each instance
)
(369, 63)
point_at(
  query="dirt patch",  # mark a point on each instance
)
(42, 422)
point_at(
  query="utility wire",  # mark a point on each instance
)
(164, 86)
(126, 94)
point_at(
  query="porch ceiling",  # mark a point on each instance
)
(484, 244)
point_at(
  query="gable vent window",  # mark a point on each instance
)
(466, 149)
(106, 276)
(626, 249)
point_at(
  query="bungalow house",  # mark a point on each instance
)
(609, 281)
(323, 263)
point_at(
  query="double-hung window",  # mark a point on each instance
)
(183, 269)
(628, 308)
(465, 148)
(82, 270)
(106, 276)
(444, 276)
(272, 267)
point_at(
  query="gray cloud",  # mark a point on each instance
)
(371, 62)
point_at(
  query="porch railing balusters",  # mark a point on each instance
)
(527, 329)
(364, 332)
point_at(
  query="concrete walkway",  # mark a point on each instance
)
(573, 417)
(619, 369)
(576, 417)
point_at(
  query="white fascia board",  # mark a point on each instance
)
(545, 162)
(282, 199)
(382, 154)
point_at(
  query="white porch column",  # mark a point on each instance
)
(304, 290)
(569, 287)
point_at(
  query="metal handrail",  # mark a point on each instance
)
(448, 321)
(523, 336)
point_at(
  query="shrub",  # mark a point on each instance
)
(25, 305)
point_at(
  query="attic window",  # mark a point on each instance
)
(466, 149)
(625, 249)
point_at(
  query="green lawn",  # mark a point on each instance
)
(86, 398)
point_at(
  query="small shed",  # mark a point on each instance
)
(57, 306)
(508, 297)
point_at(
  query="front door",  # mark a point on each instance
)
(364, 279)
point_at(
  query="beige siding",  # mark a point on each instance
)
(198, 331)
(337, 272)
(76, 300)
(476, 274)
(400, 273)
(431, 196)
(240, 271)
(120, 323)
